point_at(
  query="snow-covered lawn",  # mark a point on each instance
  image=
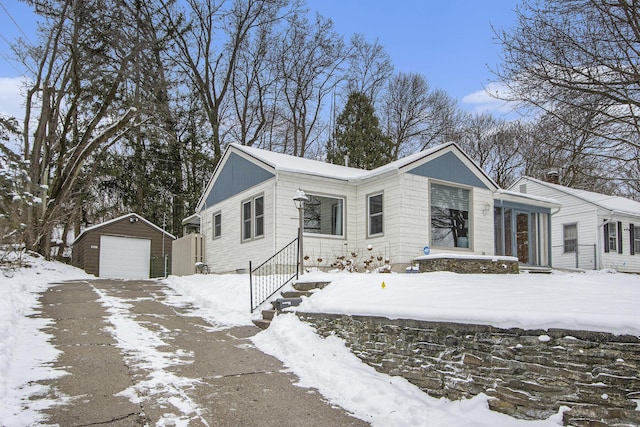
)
(603, 301)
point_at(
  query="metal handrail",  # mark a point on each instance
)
(270, 276)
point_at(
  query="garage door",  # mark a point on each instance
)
(124, 257)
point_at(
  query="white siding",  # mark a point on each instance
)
(625, 261)
(324, 247)
(228, 253)
(406, 229)
(573, 211)
(589, 220)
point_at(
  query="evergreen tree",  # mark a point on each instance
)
(358, 136)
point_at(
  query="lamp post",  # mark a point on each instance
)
(299, 201)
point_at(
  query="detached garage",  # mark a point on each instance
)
(128, 247)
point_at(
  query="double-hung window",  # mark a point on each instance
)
(253, 218)
(375, 214)
(570, 237)
(636, 239)
(217, 225)
(450, 209)
(324, 215)
(613, 237)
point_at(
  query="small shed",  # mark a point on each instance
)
(127, 247)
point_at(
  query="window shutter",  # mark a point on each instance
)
(619, 237)
(606, 237)
(632, 246)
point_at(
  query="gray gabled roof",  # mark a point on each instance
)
(278, 162)
(613, 204)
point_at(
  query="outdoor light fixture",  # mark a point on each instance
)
(299, 201)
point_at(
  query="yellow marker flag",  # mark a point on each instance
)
(383, 285)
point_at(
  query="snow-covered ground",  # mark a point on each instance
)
(603, 301)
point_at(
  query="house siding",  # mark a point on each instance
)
(229, 253)
(326, 248)
(237, 175)
(590, 220)
(405, 187)
(625, 261)
(573, 211)
(86, 250)
(449, 167)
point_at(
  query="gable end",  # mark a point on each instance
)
(448, 167)
(237, 174)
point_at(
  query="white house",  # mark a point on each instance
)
(591, 230)
(438, 198)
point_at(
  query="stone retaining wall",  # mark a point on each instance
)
(480, 265)
(527, 374)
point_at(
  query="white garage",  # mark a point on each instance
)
(124, 257)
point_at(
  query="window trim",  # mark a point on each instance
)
(564, 238)
(252, 220)
(616, 235)
(216, 228)
(634, 244)
(470, 221)
(380, 214)
(343, 235)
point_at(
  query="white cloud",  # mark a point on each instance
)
(482, 101)
(11, 96)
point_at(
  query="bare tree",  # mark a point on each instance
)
(369, 68)
(414, 117)
(582, 55)
(308, 59)
(564, 144)
(80, 66)
(495, 145)
(209, 46)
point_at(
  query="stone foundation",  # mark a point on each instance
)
(527, 374)
(468, 264)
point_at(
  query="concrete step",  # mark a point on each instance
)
(284, 303)
(296, 294)
(307, 286)
(268, 314)
(261, 323)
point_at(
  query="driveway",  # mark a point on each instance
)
(132, 358)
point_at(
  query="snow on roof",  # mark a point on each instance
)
(612, 203)
(500, 192)
(93, 227)
(288, 163)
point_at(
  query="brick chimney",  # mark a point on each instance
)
(553, 176)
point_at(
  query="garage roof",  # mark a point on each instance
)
(132, 215)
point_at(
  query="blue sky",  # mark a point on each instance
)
(450, 42)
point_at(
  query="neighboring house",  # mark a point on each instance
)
(127, 247)
(591, 230)
(437, 198)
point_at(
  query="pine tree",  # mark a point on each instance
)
(358, 136)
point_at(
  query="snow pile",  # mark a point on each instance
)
(382, 400)
(25, 354)
(596, 301)
(599, 301)
(220, 299)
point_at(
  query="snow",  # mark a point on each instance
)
(615, 204)
(602, 301)
(25, 353)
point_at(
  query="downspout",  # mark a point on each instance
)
(549, 236)
(274, 217)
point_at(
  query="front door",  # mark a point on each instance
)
(522, 236)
